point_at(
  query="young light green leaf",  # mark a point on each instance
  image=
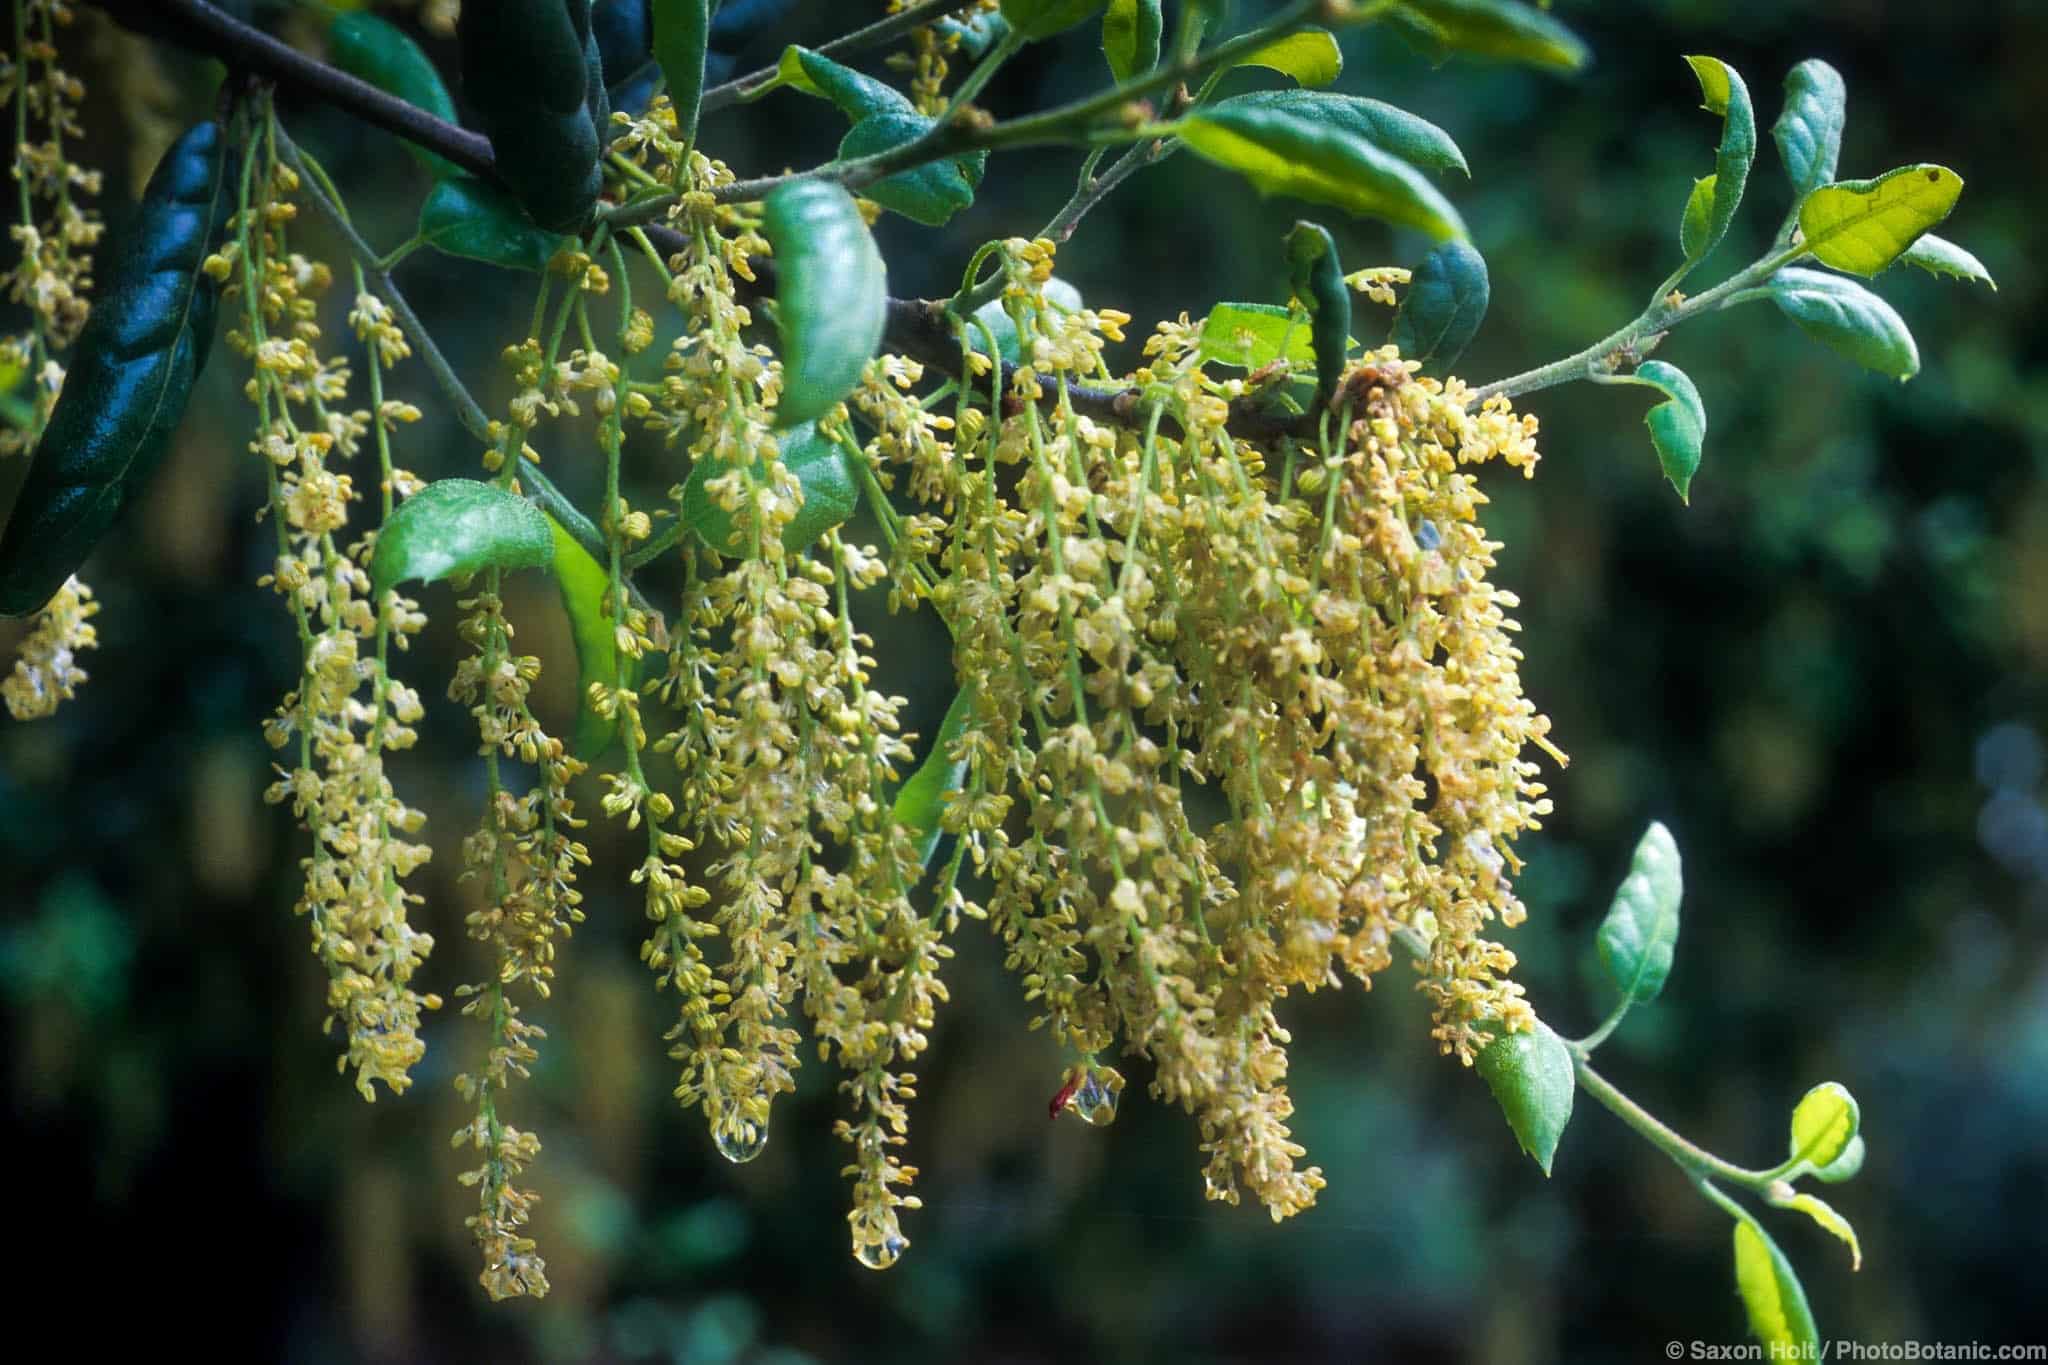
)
(582, 583)
(1809, 131)
(1530, 1075)
(820, 465)
(1862, 226)
(1251, 336)
(466, 217)
(1318, 280)
(1310, 56)
(1696, 227)
(1037, 19)
(1725, 94)
(1848, 318)
(682, 28)
(921, 800)
(1640, 933)
(1130, 37)
(1393, 130)
(832, 297)
(1819, 1211)
(1445, 303)
(459, 527)
(1282, 152)
(1772, 1296)
(1845, 1166)
(1939, 256)
(1501, 29)
(1678, 429)
(1824, 1123)
(930, 194)
(1057, 291)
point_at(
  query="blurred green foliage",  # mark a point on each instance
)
(1829, 676)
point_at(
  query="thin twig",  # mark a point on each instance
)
(881, 31)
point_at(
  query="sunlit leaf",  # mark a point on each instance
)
(582, 583)
(1824, 1123)
(1530, 1075)
(1252, 336)
(1848, 318)
(1820, 1212)
(458, 527)
(1502, 29)
(1390, 129)
(1130, 37)
(1772, 1296)
(1640, 933)
(1310, 56)
(1845, 1166)
(1725, 94)
(1862, 226)
(1939, 256)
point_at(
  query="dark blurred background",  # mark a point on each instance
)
(1829, 676)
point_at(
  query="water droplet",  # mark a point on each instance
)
(739, 1141)
(883, 1254)
(1095, 1100)
(1427, 536)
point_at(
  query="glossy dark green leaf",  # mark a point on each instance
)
(832, 296)
(459, 527)
(1725, 94)
(854, 93)
(583, 583)
(467, 217)
(825, 470)
(1862, 226)
(1772, 1296)
(1824, 1123)
(143, 346)
(1413, 139)
(682, 29)
(930, 194)
(1284, 152)
(1309, 56)
(1252, 336)
(922, 798)
(1057, 291)
(1530, 1075)
(1848, 318)
(534, 77)
(1130, 37)
(1678, 429)
(379, 52)
(1445, 303)
(1809, 131)
(1318, 279)
(1501, 29)
(1036, 19)
(1939, 256)
(1640, 933)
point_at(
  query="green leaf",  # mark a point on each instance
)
(1057, 291)
(832, 295)
(1282, 152)
(1772, 1296)
(1862, 226)
(930, 194)
(1939, 256)
(466, 217)
(1824, 1123)
(1252, 336)
(458, 527)
(1845, 1166)
(1036, 19)
(1819, 1211)
(1130, 37)
(856, 95)
(1848, 318)
(819, 464)
(1392, 130)
(1318, 280)
(583, 583)
(1726, 95)
(1530, 1075)
(921, 800)
(682, 29)
(1640, 933)
(1445, 303)
(1809, 131)
(1678, 429)
(978, 33)
(1696, 225)
(378, 51)
(1310, 56)
(1491, 28)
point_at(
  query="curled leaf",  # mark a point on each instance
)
(1319, 283)
(582, 583)
(1725, 94)
(1824, 1123)
(1772, 1296)
(921, 800)
(832, 297)
(1678, 429)
(458, 527)
(1445, 303)
(1640, 933)
(1820, 1212)
(1939, 256)
(1809, 131)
